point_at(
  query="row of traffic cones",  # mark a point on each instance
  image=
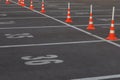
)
(111, 35)
(21, 2)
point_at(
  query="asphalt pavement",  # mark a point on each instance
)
(42, 46)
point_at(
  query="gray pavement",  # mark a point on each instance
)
(36, 46)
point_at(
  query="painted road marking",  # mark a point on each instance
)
(60, 26)
(100, 77)
(52, 44)
(20, 35)
(82, 13)
(8, 22)
(33, 27)
(103, 19)
(5, 4)
(86, 32)
(15, 11)
(41, 60)
(12, 7)
(3, 15)
(100, 10)
(58, 17)
(96, 10)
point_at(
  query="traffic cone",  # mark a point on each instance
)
(43, 7)
(7, 2)
(22, 3)
(91, 25)
(31, 5)
(19, 2)
(112, 35)
(68, 19)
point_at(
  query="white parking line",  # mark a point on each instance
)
(33, 27)
(8, 22)
(79, 29)
(12, 7)
(3, 15)
(83, 10)
(15, 11)
(82, 13)
(60, 26)
(76, 11)
(95, 10)
(5, 4)
(59, 17)
(79, 11)
(103, 19)
(52, 44)
(100, 77)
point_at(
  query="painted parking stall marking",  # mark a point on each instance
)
(117, 76)
(104, 19)
(21, 35)
(3, 15)
(29, 58)
(41, 60)
(8, 22)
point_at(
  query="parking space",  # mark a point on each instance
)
(74, 61)
(37, 46)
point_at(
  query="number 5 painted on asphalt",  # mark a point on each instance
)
(39, 60)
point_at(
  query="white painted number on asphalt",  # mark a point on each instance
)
(41, 60)
(22, 35)
(8, 22)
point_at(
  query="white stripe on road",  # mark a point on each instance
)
(12, 7)
(33, 27)
(5, 4)
(100, 77)
(60, 26)
(64, 9)
(103, 19)
(8, 22)
(82, 13)
(15, 11)
(58, 17)
(52, 44)
(3, 15)
(81, 30)
(94, 9)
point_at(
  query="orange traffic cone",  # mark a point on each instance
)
(68, 19)
(112, 35)
(91, 25)
(43, 7)
(19, 2)
(22, 3)
(7, 2)
(31, 5)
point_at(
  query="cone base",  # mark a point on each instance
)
(90, 27)
(43, 11)
(8, 2)
(112, 37)
(22, 5)
(68, 20)
(19, 3)
(31, 7)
